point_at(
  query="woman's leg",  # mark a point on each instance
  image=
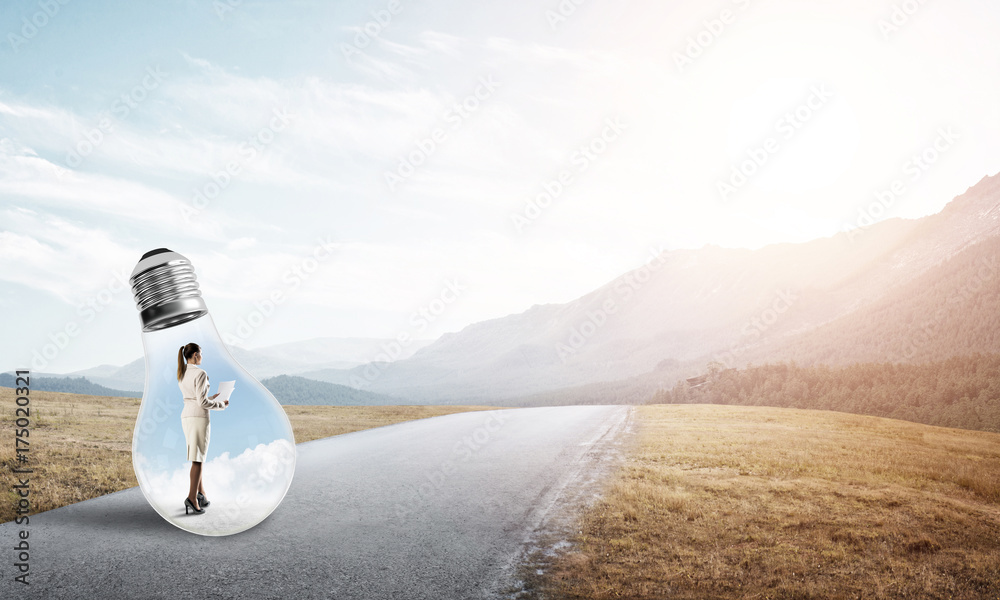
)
(195, 483)
(208, 437)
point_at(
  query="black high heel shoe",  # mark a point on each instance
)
(189, 506)
(203, 501)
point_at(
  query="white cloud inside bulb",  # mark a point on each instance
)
(242, 489)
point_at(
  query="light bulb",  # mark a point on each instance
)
(251, 449)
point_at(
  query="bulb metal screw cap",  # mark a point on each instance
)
(166, 290)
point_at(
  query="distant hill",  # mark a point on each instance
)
(293, 358)
(289, 389)
(953, 309)
(68, 385)
(286, 389)
(832, 299)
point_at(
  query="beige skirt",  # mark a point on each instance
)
(197, 431)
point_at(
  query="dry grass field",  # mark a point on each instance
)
(720, 502)
(72, 437)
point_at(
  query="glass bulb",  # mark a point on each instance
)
(251, 448)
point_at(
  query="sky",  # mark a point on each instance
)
(395, 167)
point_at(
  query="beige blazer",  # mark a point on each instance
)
(194, 387)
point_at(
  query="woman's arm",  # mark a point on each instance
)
(202, 385)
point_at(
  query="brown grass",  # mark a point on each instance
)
(750, 502)
(72, 437)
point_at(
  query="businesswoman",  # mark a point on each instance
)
(193, 381)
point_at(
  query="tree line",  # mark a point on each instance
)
(961, 392)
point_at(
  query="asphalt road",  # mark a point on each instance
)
(439, 508)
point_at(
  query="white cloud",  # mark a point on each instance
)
(241, 244)
(540, 54)
(26, 175)
(29, 112)
(65, 258)
(242, 490)
(443, 42)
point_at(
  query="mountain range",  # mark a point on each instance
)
(900, 290)
(287, 389)
(863, 294)
(269, 361)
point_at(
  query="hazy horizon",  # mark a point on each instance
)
(377, 351)
(390, 168)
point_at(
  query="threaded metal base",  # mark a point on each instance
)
(166, 290)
